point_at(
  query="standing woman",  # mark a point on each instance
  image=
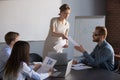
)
(58, 32)
(17, 66)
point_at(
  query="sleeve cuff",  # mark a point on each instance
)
(44, 75)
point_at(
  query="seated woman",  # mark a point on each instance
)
(17, 67)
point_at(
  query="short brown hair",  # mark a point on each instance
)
(102, 30)
(10, 36)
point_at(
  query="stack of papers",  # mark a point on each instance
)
(80, 66)
(59, 46)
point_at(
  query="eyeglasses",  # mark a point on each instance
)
(95, 34)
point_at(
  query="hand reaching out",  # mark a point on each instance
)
(80, 48)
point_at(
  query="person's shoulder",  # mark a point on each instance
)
(6, 47)
(109, 47)
(6, 50)
(108, 44)
(54, 18)
(67, 23)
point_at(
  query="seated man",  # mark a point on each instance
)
(10, 39)
(103, 54)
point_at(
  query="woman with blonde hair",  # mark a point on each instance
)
(58, 32)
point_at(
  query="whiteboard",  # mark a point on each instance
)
(84, 27)
(31, 18)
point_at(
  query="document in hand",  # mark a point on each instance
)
(59, 45)
(47, 64)
(73, 41)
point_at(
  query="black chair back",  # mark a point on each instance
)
(34, 57)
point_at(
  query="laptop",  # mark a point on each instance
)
(58, 74)
(60, 57)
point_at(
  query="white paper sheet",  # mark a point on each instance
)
(48, 63)
(73, 41)
(80, 66)
(77, 65)
(37, 63)
(59, 47)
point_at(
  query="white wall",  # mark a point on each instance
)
(30, 18)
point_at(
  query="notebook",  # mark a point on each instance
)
(63, 74)
(60, 57)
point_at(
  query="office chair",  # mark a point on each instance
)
(116, 65)
(34, 57)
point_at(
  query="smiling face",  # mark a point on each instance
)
(64, 11)
(65, 14)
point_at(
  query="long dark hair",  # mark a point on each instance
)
(20, 53)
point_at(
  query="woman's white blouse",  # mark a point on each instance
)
(26, 71)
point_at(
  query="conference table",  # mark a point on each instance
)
(87, 74)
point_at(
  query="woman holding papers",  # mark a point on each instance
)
(17, 66)
(58, 32)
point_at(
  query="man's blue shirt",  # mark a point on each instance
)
(4, 55)
(101, 57)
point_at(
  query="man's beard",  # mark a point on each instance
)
(96, 40)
